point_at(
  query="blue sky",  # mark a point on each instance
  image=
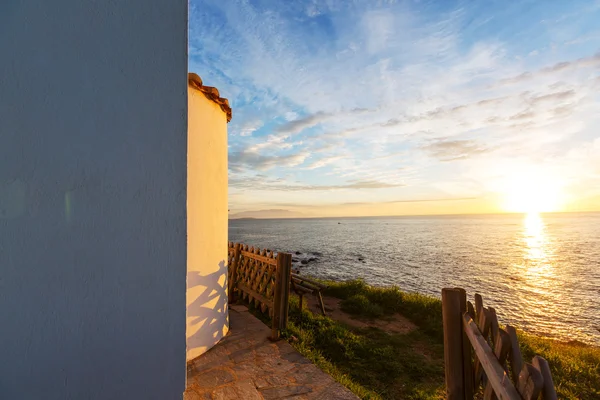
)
(405, 107)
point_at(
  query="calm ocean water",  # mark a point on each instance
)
(540, 272)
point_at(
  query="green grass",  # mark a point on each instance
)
(380, 365)
(575, 368)
(360, 304)
(374, 364)
(370, 362)
(424, 311)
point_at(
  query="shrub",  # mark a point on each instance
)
(346, 289)
(390, 299)
(360, 305)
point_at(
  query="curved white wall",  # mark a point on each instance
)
(93, 122)
(207, 311)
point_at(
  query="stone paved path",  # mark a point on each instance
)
(246, 365)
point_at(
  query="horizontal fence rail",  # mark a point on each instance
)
(261, 278)
(302, 285)
(483, 359)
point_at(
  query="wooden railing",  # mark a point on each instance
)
(478, 352)
(262, 278)
(302, 285)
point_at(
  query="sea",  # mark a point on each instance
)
(541, 272)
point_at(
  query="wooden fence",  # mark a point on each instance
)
(262, 278)
(478, 352)
(302, 285)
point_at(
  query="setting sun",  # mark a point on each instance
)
(532, 193)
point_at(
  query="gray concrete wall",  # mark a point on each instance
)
(93, 121)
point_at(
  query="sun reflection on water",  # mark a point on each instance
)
(534, 237)
(538, 254)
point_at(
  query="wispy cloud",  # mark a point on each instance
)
(264, 184)
(323, 162)
(243, 160)
(397, 96)
(444, 199)
(584, 62)
(249, 127)
(300, 124)
(452, 150)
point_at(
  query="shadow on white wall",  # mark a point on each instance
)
(208, 314)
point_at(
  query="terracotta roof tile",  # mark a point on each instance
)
(210, 92)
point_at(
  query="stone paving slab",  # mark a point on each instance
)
(246, 365)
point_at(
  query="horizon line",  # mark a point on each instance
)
(423, 215)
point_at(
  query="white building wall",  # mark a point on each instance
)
(207, 311)
(93, 120)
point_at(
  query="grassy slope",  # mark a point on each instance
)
(374, 364)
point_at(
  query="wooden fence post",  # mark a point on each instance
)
(453, 343)
(282, 293)
(548, 391)
(466, 349)
(234, 270)
(284, 260)
(276, 303)
(501, 350)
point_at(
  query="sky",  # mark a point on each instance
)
(356, 108)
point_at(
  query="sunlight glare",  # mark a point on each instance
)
(534, 235)
(531, 193)
(538, 251)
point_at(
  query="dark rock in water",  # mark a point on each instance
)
(316, 253)
(294, 259)
(304, 262)
(339, 223)
(312, 259)
(298, 253)
(361, 259)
